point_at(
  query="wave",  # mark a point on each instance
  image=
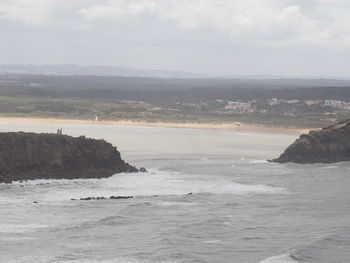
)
(172, 203)
(215, 241)
(121, 260)
(20, 228)
(285, 258)
(172, 183)
(331, 247)
(257, 161)
(153, 183)
(16, 238)
(208, 160)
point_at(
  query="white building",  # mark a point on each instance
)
(273, 101)
(239, 107)
(335, 103)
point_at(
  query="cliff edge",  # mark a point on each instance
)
(329, 145)
(26, 156)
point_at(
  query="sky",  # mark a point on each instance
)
(215, 37)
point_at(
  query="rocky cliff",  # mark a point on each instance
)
(329, 145)
(25, 156)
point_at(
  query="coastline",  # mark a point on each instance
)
(236, 126)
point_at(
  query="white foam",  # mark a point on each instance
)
(207, 160)
(172, 183)
(136, 184)
(109, 261)
(326, 167)
(285, 258)
(121, 260)
(216, 241)
(173, 203)
(16, 238)
(258, 161)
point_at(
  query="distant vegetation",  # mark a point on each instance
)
(271, 102)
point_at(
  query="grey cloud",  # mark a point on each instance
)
(211, 37)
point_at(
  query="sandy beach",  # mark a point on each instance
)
(220, 126)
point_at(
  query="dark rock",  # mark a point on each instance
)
(86, 199)
(35, 202)
(143, 170)
(329, 145)
(131, 169)
(102, 198)
(27, 156)
(121, 197)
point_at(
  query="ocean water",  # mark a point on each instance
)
(208, 196)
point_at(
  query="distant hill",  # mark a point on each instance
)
(129, 75)
(70, 69)
(165, 90)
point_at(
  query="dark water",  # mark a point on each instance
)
(242, 209)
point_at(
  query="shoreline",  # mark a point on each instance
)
(236, 126)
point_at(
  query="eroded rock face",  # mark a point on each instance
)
(329, 145)
(26, 156)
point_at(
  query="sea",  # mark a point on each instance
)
(208, 196)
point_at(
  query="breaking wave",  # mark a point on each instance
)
(285, 258)
(152, 183)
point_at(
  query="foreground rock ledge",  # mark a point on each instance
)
(329, 145)
(26, 156)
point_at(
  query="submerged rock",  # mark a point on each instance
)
(329, 145)
(27, 156)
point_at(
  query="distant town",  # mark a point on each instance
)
(286, 106)
(288, 103)
(273, 105)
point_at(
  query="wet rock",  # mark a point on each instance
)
(329, 145)
(121, 197)
(143, 170)
(102, 198)
(6, 181)
(86, 199)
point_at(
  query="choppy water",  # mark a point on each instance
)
(242, 209)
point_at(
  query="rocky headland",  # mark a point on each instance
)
(329, 145)
(27, 156)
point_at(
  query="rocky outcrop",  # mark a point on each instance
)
(26, 156)
(329, 145)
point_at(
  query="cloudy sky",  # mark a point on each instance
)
(222, 37)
